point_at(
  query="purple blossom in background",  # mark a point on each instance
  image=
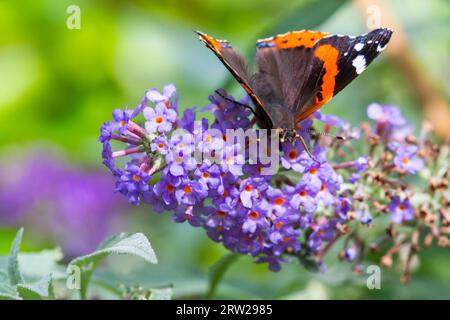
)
(360, 165)
(364, 216)
(400, 211)
(387, 119)
(301, 209)
(72, 207)
(350, 253)
(405, 159)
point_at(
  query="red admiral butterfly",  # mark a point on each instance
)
(298, 72)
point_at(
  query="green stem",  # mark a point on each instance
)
(217, 272)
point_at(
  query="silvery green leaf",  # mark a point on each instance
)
(124, 243)
(161, 294)
(134, 244)
(8, 292)
(36, 290)
(15, 276)
(35, 265)
(4, 276)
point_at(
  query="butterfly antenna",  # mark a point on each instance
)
(236, 102)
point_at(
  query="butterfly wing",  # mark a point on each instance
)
(286, 69)
(237, 66)
(306, 68)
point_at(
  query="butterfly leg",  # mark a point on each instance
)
(236, 102)
(307, 149)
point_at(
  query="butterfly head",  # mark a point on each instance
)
(288, 134)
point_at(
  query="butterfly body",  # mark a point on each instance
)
(298, 72)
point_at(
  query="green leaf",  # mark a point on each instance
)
(217, 271)
(4, 278)
(15, 276)
(38, 290)
(124, 243)
(161, 294)
(35, 265)
(8, 292)
(142, 293)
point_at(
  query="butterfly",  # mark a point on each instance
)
(298, 72)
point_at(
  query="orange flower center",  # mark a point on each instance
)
(170, 187)
(221, 214)
(401, 207)
(253, 215)
(159, 120)
(323, 188)
(160, 145)
(279, 201)
(122, 123)
(292, 154)
(248, 188)
(187, 189)
(278, 225)
(205, 175)
(302, 193)
(313, 171)
(136, 178)
(405, 160)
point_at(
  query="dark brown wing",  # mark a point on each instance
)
(237, 66)
(286, 68)
(305, 69)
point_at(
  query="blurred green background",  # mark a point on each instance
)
(57, 86)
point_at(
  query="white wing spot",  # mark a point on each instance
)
(379, 48)
(345, 54)
(359, 63)
(359, 46)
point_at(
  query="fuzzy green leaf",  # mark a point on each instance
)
(161, 294)
(8, 292)
(15, 276)
(37, 290)
(124, 243)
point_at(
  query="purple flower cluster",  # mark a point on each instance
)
(231, 199)
(264, 216)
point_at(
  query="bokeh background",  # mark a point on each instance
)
(58, 85)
